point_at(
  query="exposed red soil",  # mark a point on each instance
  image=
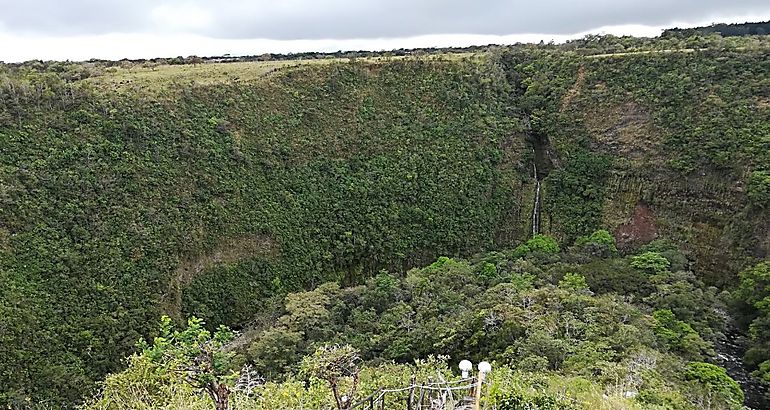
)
(640, 230)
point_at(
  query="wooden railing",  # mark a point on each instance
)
(434, 395)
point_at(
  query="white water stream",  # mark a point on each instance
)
(536, 207)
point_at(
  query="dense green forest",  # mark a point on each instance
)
(727, 30)
(214, 190)
(557, 337)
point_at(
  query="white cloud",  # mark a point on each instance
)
(135, 46)
(183, 17)
(176, 42)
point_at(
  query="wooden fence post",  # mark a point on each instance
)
(410, 398)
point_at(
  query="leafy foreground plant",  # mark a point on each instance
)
(335, 364)
(175, 362)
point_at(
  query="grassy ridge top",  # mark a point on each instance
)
(163, 76)
(152, 77)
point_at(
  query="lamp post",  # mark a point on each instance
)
(484, 369)
(465, 367)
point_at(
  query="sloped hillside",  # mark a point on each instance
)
(130, 192)
(118, 206)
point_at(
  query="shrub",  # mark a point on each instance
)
(668, 250)
(679, 336)
(574, 281)
(488, 271)
(759, 189)
(651, 262)
(538, 243)
(541, 401)
(520, 251)
(716, 381)
(543, 243)
(601, 239)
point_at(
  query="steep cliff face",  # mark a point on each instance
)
(673, 139)
(122, 200)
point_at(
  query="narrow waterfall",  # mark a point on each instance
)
(536, 207)
(541, 166)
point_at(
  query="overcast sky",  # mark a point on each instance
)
(82, 29)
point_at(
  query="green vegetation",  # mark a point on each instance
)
(600, 243)
(197, 354)
(554, 345)
(115, 204)
(754, 296)
(759, 189)
(334, 365)
(735, 29)
(678, 335)
(574, 281)
(222, 191)
(539, 243)
(716, 382)
(651, 262)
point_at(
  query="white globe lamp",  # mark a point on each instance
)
(466, 366)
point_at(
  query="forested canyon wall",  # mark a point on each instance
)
(123, 201)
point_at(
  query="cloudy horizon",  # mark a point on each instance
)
(110, 29)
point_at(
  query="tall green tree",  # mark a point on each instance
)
(198, 355)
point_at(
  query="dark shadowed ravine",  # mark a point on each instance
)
(730, 352)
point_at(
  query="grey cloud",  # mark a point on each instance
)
(340, 19)
(73, 17)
